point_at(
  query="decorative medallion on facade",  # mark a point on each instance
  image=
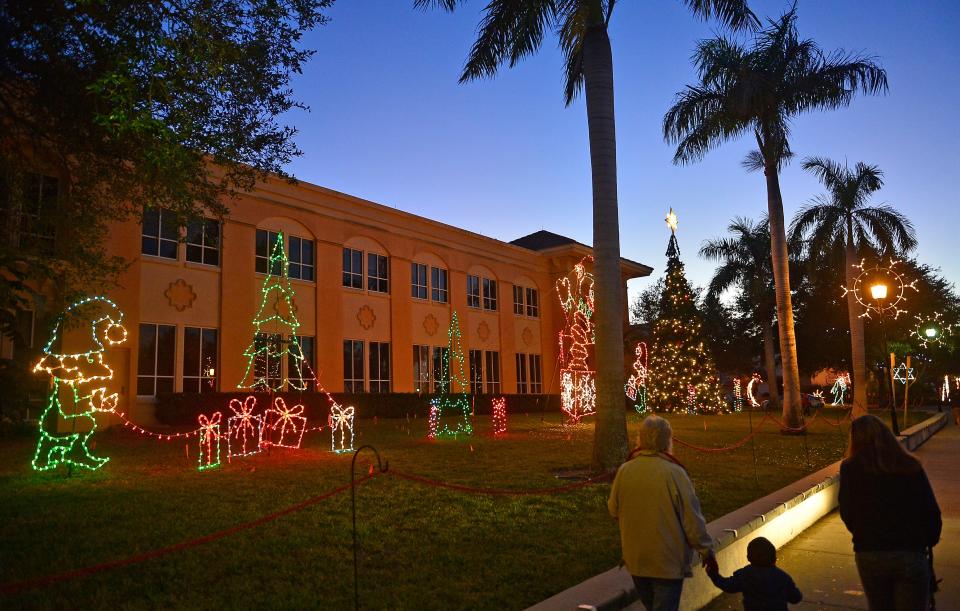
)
(430, 324)
(366, 317)
(527, 336)
(180, 295)
(483, 331)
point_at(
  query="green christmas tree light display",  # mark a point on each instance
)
(447, 403)
(268, 349)
(682, 374)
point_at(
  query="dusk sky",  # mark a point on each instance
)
(504, 157)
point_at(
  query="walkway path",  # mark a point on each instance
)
(821, 559)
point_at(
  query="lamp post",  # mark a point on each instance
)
(879, 292)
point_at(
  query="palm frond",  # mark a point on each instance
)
(510, 31)
(891, 229)
(829, 172)
(732, 13)
(447, 5)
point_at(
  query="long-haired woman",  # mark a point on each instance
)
(888, 506)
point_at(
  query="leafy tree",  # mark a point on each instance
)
(123, 105)
(514, 29)
(757, 91)
(842, 221)
(745, 263)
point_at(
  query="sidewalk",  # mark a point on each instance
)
(821, 559)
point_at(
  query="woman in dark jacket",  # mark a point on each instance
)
(888, 506)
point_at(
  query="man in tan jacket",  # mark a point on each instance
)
(660, 521)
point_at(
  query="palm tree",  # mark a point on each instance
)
(759, 91)
(842, 224)
(746, 263)
(512, 30)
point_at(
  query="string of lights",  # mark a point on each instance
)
(447, 403)
(577, 381)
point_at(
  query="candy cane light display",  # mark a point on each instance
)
(751, 385)
(577, 381)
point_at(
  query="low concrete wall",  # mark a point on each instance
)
(779, 517)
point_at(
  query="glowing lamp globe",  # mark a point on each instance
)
(878, 291)
(931, 332)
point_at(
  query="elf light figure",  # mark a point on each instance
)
(78, 390)
(577, 380)
(839, 389)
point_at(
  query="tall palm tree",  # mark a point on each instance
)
(758, 91)
(512, 30)
(842, 224)
(746, 264)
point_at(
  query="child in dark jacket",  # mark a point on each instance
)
(764, 586)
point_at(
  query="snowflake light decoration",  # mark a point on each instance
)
(887, 276)
(931, 330)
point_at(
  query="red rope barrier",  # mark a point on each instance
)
(499, 491)
(28, 584)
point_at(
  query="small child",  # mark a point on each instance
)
(764, 586)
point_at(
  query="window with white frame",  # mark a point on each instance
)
(418, 280)
(438, 285)
(489, 294)
(378, 273)
(160, 233)
(476, 372)
(521, 363)
(353, 379)
(517, 299)
(421, 369)
(302, 376)
(203, 241)
(266, 244)
(473, 291)
(301, 259)
(38, 214)
(352, 268)
(379, 367)
(199, 367)
(533, 302)
(492, 371)
(155, 359)
(536, 376)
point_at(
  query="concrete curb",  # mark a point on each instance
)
(779, 517)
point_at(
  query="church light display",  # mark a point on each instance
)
(78, 388)
(577, 381)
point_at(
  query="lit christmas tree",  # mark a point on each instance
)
(682, 374)
(275, 333)
(446, 403)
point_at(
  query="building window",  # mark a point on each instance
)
(533, 303)
(489, 294)
(160, 233)
(353, 365)
(378, 273)
(199, 359)
(441, 382)
(302, 376)
(352, 268)
(476, 372)
(438, 285)
(521, 373)
(155, 361)
(266, 243)
(418, 280)
(517, 299)
(379, 367)
(301, 265)
(536, 376)
(473, 291)
(38, 214)
(203, 241)
(493, 372)
(267, 361)
(421, 368)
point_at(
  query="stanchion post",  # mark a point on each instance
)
(382, 468)
(753, 446)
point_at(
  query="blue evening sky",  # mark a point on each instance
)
(504, 157)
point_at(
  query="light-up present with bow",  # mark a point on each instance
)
(244, 428)
(341, 424)
(209, 441)
(284, 425)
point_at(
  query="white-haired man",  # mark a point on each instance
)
(660, 521)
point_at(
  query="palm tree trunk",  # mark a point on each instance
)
(858, 350)
(781, 275)
(770, 362)
(610, 434)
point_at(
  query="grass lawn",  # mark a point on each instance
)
(421, 547)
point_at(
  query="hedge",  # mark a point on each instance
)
(183, 408)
